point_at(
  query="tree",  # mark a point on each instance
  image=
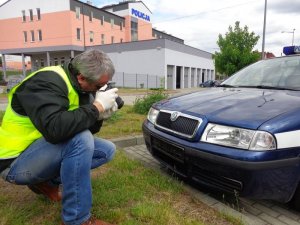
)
(236, 50)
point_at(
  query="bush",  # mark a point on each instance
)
(142, 105)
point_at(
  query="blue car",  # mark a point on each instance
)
(210, 83)
(241, 137)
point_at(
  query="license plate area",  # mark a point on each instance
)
(171, 150)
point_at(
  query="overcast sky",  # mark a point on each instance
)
(199, 22)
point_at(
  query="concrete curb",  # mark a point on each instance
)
(128, 141)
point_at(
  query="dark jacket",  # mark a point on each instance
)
(44, 99)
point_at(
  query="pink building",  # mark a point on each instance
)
(51, 32)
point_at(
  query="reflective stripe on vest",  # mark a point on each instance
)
(17, 132)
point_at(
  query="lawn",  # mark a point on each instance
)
(123, 123)
(124, 191)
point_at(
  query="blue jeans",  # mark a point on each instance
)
(70, 162)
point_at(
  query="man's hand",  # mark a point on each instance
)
(106, 99)
(108, 113)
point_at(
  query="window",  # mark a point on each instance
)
(40, 38)
(77, 9)
(30, 14)
(91, 16)
(78, 34)
(121, 40)
(32, 35)
(102, 20)
(112, 21)
(134, 31)
(23, 16)
(36, 64)
(42, 62)
(112, 39)
(38, 13)
(91, 36)
(62, 60)
(25, 36)
(102, 39)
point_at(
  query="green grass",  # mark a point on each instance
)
(124, 193)
(123, 123)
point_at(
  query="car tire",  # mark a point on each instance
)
(295, 202)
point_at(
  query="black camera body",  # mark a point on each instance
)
(119, 100)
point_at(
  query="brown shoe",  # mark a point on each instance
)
(92, 221)
(50, 191)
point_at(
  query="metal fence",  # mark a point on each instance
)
(131, 80)
(120, 79)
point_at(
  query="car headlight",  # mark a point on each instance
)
(238, 137)
(152, 115)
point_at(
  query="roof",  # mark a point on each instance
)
(124, 3)
(101, 9)
(167, 34)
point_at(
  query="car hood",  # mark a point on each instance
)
(242, 107)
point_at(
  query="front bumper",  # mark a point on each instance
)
(209, 165)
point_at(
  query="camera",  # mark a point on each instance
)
(119, 100)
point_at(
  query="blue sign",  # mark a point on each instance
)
(140, 14)
(290, 50)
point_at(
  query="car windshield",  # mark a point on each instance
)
(276, 73)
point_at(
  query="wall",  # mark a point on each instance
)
(136, 60)
(14, 8)
(149, 61)
(184, 59)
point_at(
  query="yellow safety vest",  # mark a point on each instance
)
(17, 132)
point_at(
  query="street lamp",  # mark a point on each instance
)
(290, 32)
(264, 32)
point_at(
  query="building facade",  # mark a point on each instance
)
(52, 33)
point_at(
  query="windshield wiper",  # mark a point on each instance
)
(271, 87)
(226, 85)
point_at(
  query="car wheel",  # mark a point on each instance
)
(295, 202)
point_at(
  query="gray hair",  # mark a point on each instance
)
(92, 64)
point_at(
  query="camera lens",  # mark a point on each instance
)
(119, 102)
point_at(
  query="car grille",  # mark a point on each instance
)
(222, 183)
(185, 125)
(174, 157)
(170, 150)
(169, 154)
